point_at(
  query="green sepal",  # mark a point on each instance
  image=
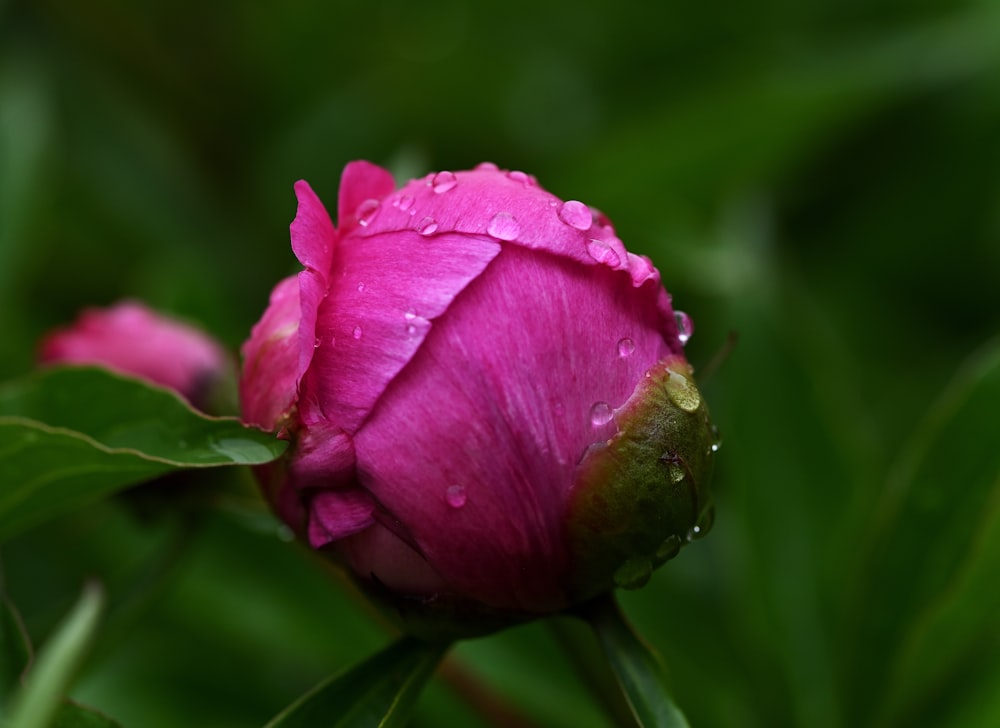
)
(643, 494)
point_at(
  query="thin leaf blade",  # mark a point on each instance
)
(40, 699)
(381, 691)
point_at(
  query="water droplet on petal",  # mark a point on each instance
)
(487, 167)
(576, 215)
(503, 226)
(519, 176)
(454, 496)
(685, 326)
(361, 288)
(405, 202)
(634, 573)
(317, 342)
(670, 547)
(603, 253)
(366, 211)
(626, 347)
(601, 414)
(411, 329)
(427, 226)
(682, 392)
(444, 181)
(357, 332)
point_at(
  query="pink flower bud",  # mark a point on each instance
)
(491, 414)
(131, 339)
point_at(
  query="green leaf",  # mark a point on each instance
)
(930, 602)
(72, 715)
(72, 435)
(40, 699)
(15, 648)
(639, 670)
(380, 691)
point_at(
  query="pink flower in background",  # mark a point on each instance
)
(131, 339)
(466, 367)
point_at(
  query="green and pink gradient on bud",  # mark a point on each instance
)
(490, 410)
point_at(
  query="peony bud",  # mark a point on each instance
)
(131, 339)
(491, 414)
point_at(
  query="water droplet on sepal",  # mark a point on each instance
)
(670, 547)
(685, 327)
(634, 573)
(682, 392)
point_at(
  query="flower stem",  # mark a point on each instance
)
(638, 669)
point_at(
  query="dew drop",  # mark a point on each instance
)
(626, 347)
(454, 496)
(317, 342)
(695, 533)
(576, 215)
(706, 520)
(676, 472)
(519, 176)
(357, 332)
(427, 226)
(405, 203)
(361, 288)
(682, 392)
(716, 439)
(444, 181)
(601, 414)
(366, 211)
(634, 573)
(411, 329)
(603, 253)
(670, 547)
(487, 167)
(685, 326)
(503, 226)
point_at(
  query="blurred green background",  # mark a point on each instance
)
(822, 179)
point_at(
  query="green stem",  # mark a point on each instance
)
(595, 672)
(638, 669)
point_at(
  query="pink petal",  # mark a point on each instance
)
(500, 402)
(337, 514)
(361, 182)
(386, 292)
(313, 241)
(132, 339)
(380, 554)
(271, 359)
(324, 458)
(492, 203)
